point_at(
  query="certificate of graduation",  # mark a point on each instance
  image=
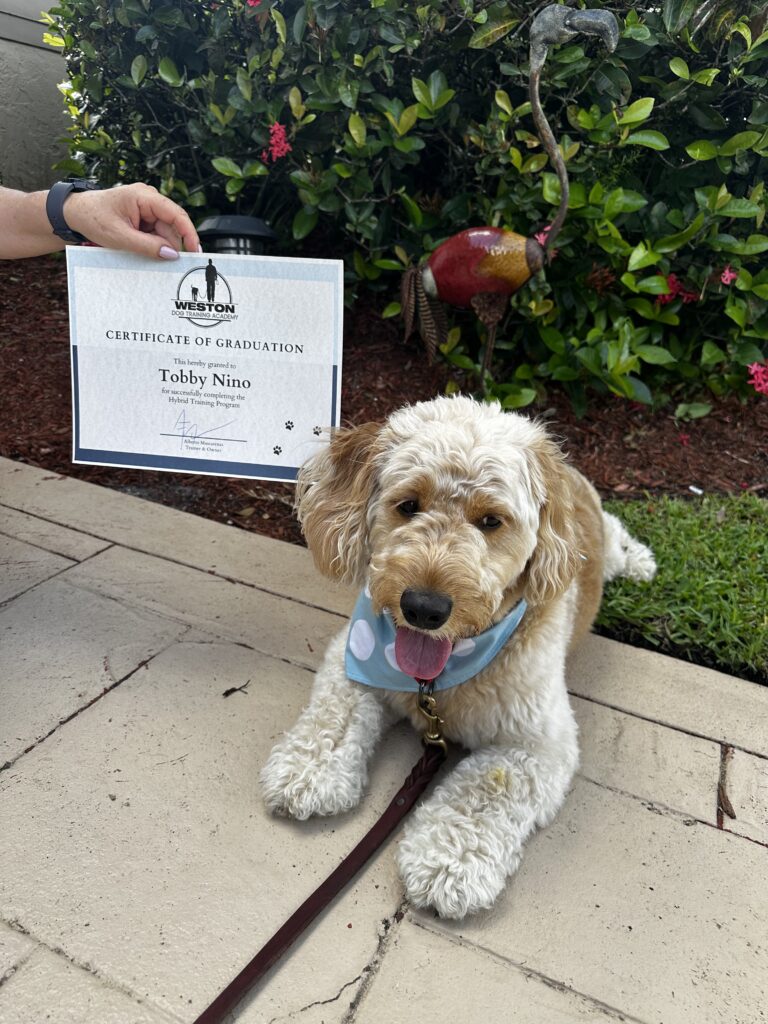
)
(218, 364)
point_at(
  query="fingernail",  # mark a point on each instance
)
(200, 248)
(167, 253)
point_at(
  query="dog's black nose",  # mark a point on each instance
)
(425, 609)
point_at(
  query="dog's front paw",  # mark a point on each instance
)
(451, 865)
(301, 784)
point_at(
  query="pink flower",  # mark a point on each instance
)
(541, 238)
(253, 3)
(684, 439)
(728, 275)
(758, 377)
(279, 146)
(677, 291)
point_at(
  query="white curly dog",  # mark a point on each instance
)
(471, 538)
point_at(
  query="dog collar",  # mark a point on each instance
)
(370, 653)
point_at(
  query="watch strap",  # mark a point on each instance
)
(54, 208)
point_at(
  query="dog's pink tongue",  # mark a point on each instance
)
(420, 655)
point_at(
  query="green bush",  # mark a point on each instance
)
(407, 122)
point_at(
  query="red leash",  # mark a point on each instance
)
(422, 774)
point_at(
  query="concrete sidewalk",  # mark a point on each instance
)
(139, 871)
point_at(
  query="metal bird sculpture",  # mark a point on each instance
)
(482, 267)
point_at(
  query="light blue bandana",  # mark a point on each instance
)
(370, 653)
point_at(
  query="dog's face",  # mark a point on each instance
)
(446, 511)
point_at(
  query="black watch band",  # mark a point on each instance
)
(54, 207)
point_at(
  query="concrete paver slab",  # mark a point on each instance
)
(168, 872)
(671, 692)
(665, 919)
(282, 568)
(747, 788)
(60, 647)
(23, 566)
(668, 768)
(428, 978)
(14, 948)
(271, 624)
(44, 534)
(49, 989)
(145, 871)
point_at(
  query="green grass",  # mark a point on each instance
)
(709, 601)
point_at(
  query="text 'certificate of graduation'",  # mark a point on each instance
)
(218, 364)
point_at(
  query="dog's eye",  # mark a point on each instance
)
(489, 523)
(408, 508)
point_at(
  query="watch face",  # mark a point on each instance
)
(83, 184)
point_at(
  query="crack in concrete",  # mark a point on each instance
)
(364, 978)
(203, 627)
(671, 812)
(107, 689)
(318, 1002)
(609, 1011)
(387, 931)
(73, 564)
(16, 966)
(763, 755)
(86, 968)
(175, 561)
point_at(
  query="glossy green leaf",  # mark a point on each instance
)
(743, 140)
(638, 111)
(492, 32)
(303, 223)
(641, 256)
(673, 242)
(677, 13)
(702, 149)
(279, 21)
(227, 167)
(503, 101)
(138, 68)
(739, 208)
(711, 354)
(415, 215)
(519, 399)
(656, 284)
(655, 355)
(169, 73)
(648, 138)
(357, 129)
(244, 84)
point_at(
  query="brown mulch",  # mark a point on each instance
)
(623, 448)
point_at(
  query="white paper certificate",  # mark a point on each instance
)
(218, 364)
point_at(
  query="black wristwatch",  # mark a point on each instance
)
(54, 207)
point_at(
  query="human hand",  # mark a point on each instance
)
(132, 217)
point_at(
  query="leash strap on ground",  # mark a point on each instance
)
(422, 774)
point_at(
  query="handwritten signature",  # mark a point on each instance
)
(188, 431)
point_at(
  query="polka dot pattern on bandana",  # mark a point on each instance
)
(362, 642)
(370, 654)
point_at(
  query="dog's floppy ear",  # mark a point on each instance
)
(555, 561)
(333, 491)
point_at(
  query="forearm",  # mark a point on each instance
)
(24, 226)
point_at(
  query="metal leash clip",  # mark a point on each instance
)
(433, 735)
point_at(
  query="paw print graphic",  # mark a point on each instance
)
(289, 424)
(277, 449)
(317, 431)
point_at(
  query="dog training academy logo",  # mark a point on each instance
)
(204, 297)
